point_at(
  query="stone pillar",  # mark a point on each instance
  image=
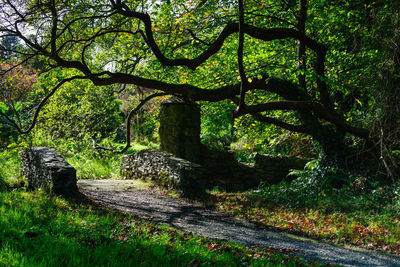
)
(180, 129)
(44, 168)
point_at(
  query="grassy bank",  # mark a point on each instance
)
(42, 230)
(10, 170)
(324, 203)
(101, 165)
(374, 228)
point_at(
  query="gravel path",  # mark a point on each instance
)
(193, 217)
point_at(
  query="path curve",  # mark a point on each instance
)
(193, 217)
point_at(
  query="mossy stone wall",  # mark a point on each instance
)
(44, 168)
(164, 169)
(180, 129)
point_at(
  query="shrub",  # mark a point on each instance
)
(332, 189)
(10, 168)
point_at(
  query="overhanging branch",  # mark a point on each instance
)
(40, 106)
(316, 108)
(282, 124)
(268, 34)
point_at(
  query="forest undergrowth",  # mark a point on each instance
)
(359, 212)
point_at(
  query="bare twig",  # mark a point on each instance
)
(197, 38)
(382, 157)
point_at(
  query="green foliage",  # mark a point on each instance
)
(10, 168)
(89, 163)
(270, 140)
(3, 184)
(41, 230)
(244, 156)
(15, 88)
(145, 123)
(357, 34)
(78, 108)
(217, 125)
(330, 188)
(6, 133)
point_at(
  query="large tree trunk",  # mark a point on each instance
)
(330, 144)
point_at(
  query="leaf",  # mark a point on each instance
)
(18, 106)
(3, 107)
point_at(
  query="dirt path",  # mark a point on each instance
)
(138, 198)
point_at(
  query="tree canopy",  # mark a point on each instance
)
(312, 67)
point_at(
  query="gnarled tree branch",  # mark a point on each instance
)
(316, 108)
(40, 106)
(284, 125)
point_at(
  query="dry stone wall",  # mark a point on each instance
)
(218, 169)
(274, 169)
(164, 169)
(44, 168)
(222, 169)
(177, 165)
(180, 129)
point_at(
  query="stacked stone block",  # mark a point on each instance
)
(180, 129)
(164, 169)
(45, 169)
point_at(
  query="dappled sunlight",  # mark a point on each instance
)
(38, 229)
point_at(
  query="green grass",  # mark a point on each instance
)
(10, 170)
(41, 230)
(94, 166)
(89, 163)
(101, 165)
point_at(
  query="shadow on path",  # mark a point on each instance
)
(193, 217)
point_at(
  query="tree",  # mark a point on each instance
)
(15, 86)
(77, 109)
(263, 48)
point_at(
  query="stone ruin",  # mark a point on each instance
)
(164, 169)
(180, 129)
(186, 165)
(183, 163)
(45, 169)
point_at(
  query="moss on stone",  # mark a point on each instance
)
(180, 129)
